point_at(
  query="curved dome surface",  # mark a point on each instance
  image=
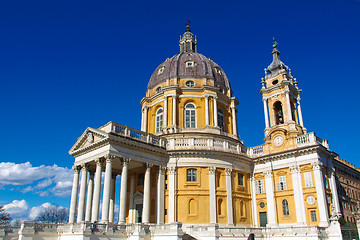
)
(189, 65)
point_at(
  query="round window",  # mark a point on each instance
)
(262, 204)
(310, 200)
(190, 84)
(275, 82)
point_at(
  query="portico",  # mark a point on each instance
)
(110, 150)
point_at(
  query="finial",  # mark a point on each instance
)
(263, 82)
(274, 43)
(265, 71)
(188, 26)
(295, 83)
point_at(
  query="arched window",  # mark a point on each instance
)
(159, 120)
(221, 119)
(190, 115)
(191, 175)
(279, 116)
(158, 90)
(285, 207)
(192, 207)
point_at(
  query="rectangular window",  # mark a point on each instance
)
(141, 179)
(259, 186)
(240, 179)
(313, 216)
(165, 212)
(191, 175)
(308, 179)
(281, 185)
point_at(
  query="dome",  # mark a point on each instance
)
(189, 65)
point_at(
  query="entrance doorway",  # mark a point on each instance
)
(138, 213)
(263, 219)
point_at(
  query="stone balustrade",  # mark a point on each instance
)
(137, 135)
(205, 143)
(310, 139)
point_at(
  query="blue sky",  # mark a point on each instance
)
(67, 65)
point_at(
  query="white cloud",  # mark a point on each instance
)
(17, 209)
(35, 211)
(52, 179)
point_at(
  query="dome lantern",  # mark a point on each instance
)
(188, 42)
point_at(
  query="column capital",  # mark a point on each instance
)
(145, 107)
(206, 95)
(76, 168)
(85, 166)
(148, 167)
(295, 169)
(317, 165)
(99, 161)
(165, 96)
(268, 174)
(161, 170)
(172, 170)
(228, 171)
(264, 99)
(109, 158)
(214, 97)
(125, 161)
(287, 90)
(212, 170)
(174, 95)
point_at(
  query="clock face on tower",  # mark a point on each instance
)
(278, 140)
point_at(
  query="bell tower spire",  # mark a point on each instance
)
(281, 99)
(188, 42)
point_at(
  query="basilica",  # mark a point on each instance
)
(187, 175)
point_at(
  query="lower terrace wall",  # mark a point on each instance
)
(175, 231)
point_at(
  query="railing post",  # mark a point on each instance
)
(126, 132)
(148, 138)
(238, 148)
(210, 142)
(312, 137)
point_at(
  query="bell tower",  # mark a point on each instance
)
(282, 110)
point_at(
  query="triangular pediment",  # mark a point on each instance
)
(138, 194)
(89, 137)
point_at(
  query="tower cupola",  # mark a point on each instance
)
(276, 64)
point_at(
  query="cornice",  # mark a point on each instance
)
(286, 154)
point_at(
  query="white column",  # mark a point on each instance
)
(215, 112)
(229, 200)
(144, 122)
(123, 191)
(89, 197)
(171, 209)
(320, 191)
(206, 110)
(97, 192)
(266, 113)
(334, 191)
(82, 195)
(107, 190)
(146, 200)
(165, 112)
(74, 194)
(270, 198)
(234, 120)
(131, 203)
(174, 111)
(160, 195)
(253, 201)
(212, 190)
(288, 105)
(298, 195)
(142, 119)
(112, 198)
(300, 113)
